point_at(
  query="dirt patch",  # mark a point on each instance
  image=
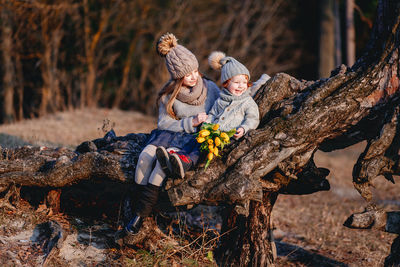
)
(312, 225)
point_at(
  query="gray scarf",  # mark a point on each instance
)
(195, 95)
(227, 96)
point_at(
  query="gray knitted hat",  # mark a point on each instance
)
(228, 65)
(179, 60)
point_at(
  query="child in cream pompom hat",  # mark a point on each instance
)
(178, 59)
(183, 103)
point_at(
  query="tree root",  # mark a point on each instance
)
(12, 195)
(371, 217)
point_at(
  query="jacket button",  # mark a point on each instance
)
(222, 118)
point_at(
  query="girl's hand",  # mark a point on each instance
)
(239, 133)
(199, 119)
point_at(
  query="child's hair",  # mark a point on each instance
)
(172, 87)
(225, 84)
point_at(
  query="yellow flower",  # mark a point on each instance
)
(210, 141)
(215, 127)
(211, 148)
(217, 141)
(204, 133)
(200, 139)
(210, 156)
(225, 137)
(215, 151)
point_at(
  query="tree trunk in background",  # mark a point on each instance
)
(51, 100)
(91, 94)
(9, 72)
(350, 34)
(20, 88)
(338, 36)
(84, 87)
(327, 38)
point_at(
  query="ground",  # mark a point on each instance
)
(308, 231)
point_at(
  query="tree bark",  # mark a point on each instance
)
(249, 241)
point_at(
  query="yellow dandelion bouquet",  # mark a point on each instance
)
(212, 140)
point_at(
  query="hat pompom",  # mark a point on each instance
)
(166, 43)
(215, 58)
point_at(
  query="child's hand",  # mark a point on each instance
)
(199, 119)
(239, 133)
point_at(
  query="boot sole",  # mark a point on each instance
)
(162, 156)
(176, 166)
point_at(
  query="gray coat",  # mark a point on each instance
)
(186, 112)
(232, 112)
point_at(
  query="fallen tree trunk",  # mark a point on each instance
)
(298, 117)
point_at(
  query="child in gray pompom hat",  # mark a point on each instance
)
(234, 109)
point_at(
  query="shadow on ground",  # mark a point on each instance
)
(10, 141)
(298, 255)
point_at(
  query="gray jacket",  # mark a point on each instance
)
(186, 112)
(257, 84)
(232, 112)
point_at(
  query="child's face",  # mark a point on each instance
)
(190, 79)
(237, 85)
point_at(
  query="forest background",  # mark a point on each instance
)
(63, 55)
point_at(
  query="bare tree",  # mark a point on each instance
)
(51, 99)
(9, 68)
(350, 33)
(327, 38)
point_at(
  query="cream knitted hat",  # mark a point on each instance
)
(179, 60)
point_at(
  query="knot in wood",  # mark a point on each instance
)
(280, 136)
(62, 160)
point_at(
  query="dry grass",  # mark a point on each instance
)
(309, 230)
(74, 127)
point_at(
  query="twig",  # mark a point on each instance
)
(181, 248)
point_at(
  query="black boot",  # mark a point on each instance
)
(180, 163)
(147, 196)
(147, 200)
(130, 202)
(163, 158)
(134, 224)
